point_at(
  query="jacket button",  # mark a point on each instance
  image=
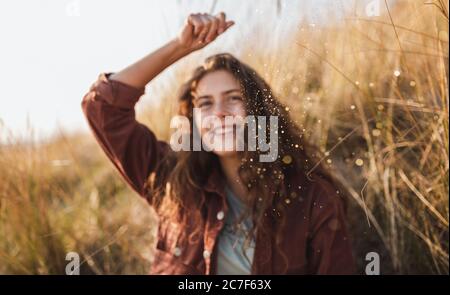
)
(206, 254)
(220, 215)
(177, 251)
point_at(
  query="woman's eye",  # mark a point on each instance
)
(236, 98)
(204, 104)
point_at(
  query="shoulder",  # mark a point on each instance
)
(322, 187)
(316, 187)
(315, 195)
(324, 198)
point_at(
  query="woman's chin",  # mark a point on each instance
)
(222, 145)
(224, 154)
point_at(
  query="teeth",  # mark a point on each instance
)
(223, 130)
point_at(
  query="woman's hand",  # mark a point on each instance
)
(201, 29)
(198, 31)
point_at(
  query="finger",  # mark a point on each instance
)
(190, 17)
(189, 25)
(222, 24)
(228, 24)
(213, 29)
(197, 22)
(206, 19)
(205, 29)
(202, 35)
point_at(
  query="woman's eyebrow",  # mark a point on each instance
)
(223, 93)
(231, 90)
(202, 97)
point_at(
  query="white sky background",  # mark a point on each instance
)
(51, 51)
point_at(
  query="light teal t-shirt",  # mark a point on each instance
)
(230, 258)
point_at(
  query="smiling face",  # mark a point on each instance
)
(218, 95)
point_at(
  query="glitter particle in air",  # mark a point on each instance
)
(287, 159)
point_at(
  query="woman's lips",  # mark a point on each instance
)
(222, 130)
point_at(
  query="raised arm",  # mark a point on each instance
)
(109, 104)
(198, 31)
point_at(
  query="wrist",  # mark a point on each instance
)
(179, 49)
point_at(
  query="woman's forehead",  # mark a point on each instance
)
(216, 82)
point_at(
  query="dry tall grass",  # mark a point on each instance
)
(61, 197)
(371, 93)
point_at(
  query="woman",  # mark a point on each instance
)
(221, 211)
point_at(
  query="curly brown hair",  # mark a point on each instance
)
(184, 173)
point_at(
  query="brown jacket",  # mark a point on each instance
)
(315, 241)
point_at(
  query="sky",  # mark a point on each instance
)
(51, 51)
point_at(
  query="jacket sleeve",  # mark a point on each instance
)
(131, 146)
(330, 250)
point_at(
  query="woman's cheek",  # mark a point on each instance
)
(238, 110)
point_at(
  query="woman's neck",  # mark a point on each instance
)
(230, 166)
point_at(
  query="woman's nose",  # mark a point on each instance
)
(221, 110)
